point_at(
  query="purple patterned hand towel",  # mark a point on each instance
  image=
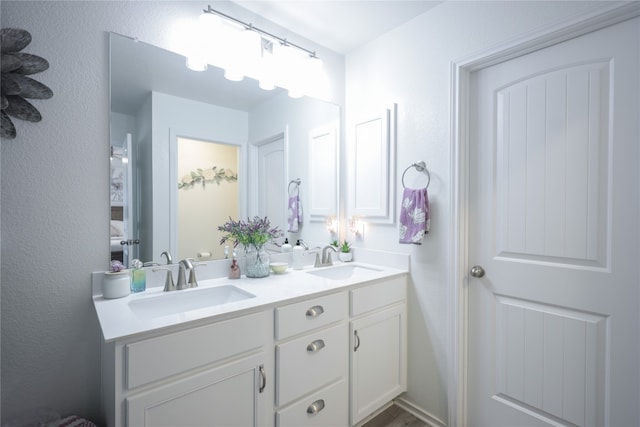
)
(294, 216)
(414, 216)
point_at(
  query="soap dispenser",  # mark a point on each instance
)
(286, 247)
(234, 270)
(298, 256)
(139, 279)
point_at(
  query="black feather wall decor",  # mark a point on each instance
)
(16, 87)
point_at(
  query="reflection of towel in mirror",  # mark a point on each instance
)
(294, 216)
(414, 216)
(117, 178)
(117, 228)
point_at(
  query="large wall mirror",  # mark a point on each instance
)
(190, 149)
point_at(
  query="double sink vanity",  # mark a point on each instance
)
(312, 347)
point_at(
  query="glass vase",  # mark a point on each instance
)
(257, 261)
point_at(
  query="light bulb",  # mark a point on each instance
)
(251, 45)
(295, 93)
(234, 74)
(266, 84)
(196, 63)
(291, 70)
(197, 57)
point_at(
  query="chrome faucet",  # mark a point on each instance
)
(326, 261)
(184, 266)
(169, 285)
(168, 255)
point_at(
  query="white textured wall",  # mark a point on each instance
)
(411, 66)
(54, 201)
(55, 196)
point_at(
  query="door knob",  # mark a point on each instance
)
(477, 271)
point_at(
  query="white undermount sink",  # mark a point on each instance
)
(342, 272)
(175, 302)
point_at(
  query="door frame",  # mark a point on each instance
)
(461, 72)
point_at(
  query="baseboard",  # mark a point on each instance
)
(419, 413)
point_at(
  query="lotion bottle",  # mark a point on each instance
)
(286, 247)
(298, 255)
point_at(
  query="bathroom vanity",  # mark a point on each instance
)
(315, 347)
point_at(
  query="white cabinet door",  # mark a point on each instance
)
(378, 360)
(229, 395)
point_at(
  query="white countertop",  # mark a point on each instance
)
(117, 320)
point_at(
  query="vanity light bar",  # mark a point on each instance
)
(249, 26)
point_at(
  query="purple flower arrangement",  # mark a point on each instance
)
(252, 232)
(117, 266)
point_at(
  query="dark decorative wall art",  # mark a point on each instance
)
(16, 87)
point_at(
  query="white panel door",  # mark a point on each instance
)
(272, 195)
(554, 211)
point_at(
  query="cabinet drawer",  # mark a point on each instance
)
(311, 361)
(327, 407)
(161, 357)
(307, 315)
(379, 295)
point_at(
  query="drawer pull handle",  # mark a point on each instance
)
(316, 407)
(315, 311)
(317, 345)
(263, 376)
(357, 341)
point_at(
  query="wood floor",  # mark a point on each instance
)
(394, 417)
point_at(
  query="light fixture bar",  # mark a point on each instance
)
(250, 26)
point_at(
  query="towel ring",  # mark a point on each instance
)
(296, 182)
(420, 167)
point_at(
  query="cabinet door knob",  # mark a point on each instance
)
(356, 345)
(316, 407)
(315, 311)
(317, 345)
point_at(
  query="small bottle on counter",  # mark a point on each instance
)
(234, 270)
(298, 256)
(286, 247)
(139, 276)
